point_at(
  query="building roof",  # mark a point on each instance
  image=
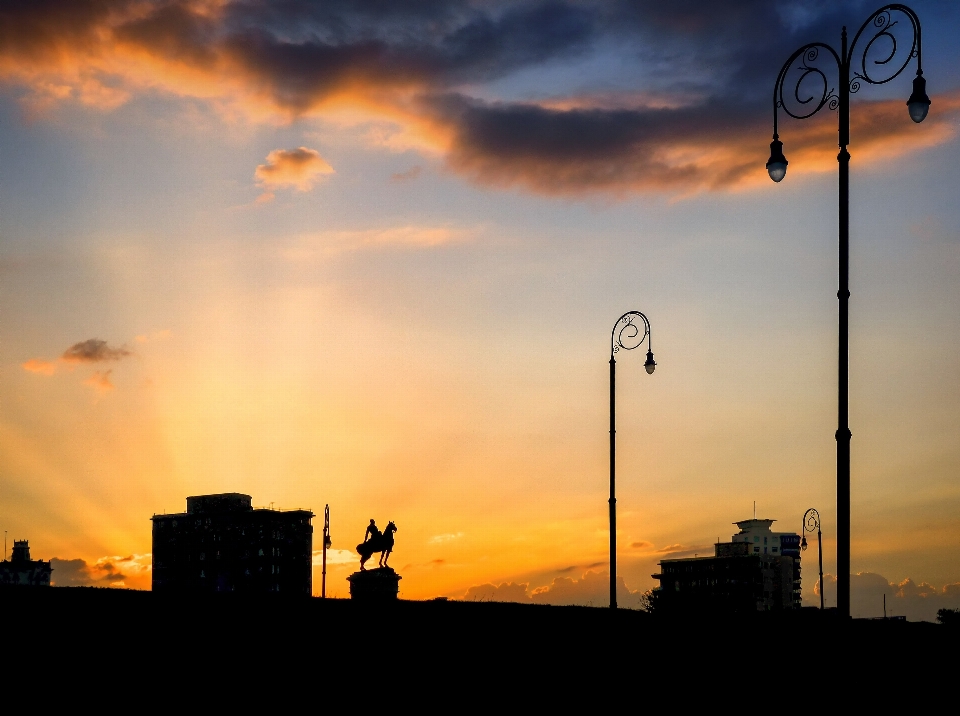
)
(743, 524)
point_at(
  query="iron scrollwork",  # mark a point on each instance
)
(882, 24)
(626, 331)
(813, 89)
(811, 73)
(811, 521)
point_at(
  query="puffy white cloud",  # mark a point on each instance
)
(505, 592)
(592, 589)
(917, 602)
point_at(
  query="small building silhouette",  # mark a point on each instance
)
(222, 544)
(20, 569)
(758, 570)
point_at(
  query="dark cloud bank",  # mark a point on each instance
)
(702, 121)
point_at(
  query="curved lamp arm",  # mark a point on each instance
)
(882, 40)
(811, 523)
(804, 106)
(625, 335)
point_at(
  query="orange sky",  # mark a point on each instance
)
(380, 274)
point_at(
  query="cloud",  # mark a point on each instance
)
(917, 602)
(100, 380)
(592, 589)
(708, 146)
(409, 175)
(641, 545)
(504, 592)
(40, 366)
(155, 336)
(697, 119)
(335, 556)
(93, 350)
(137, 569)
(105, 572)
(299, 168)
(309, 247)
(444, 538)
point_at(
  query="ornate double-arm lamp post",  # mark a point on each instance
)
(811, 522)
(625, 335)
(887, 55)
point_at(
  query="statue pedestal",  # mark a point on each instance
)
(375, 585)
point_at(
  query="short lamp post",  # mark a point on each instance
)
(626, 335)
(811, 523)
(892, 39)
(327, 542)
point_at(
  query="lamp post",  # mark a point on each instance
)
(326, 545)
(811, 522)
(625, 329)
(881, 33)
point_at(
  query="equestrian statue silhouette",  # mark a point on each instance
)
(376, 541)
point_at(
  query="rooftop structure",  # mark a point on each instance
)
(20, 569)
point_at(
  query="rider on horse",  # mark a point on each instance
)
(376, 541)
(372, 533)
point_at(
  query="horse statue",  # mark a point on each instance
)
(382, 543)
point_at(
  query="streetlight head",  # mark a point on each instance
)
(651, 364)
(777, 163)
(919, 104)
(803, 542)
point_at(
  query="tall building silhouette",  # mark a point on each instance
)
(222, 544)
(20, 569)
(758, 570)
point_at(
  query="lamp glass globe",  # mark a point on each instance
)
(777, 170)
(918, 110)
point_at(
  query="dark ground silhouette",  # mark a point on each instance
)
(240, 641)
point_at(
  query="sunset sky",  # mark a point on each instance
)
(369, 254)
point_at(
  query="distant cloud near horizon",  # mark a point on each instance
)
(592, 589)
(105, 572)
(917, 602)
